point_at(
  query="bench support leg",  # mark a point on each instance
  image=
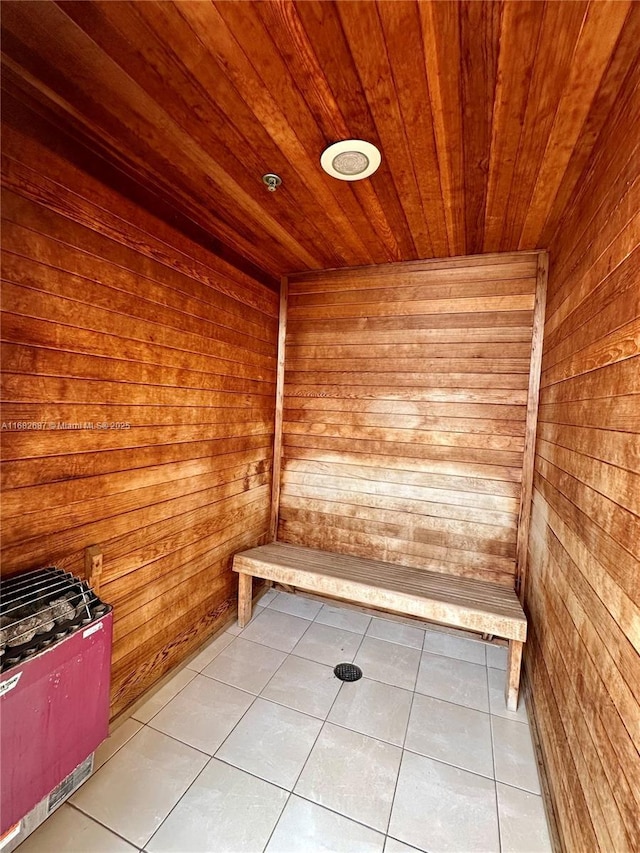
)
(513, 674)
(245, 594)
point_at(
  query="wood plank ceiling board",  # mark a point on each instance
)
(485, 113)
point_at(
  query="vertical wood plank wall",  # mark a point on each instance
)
(404, 411)
(112, 316)
(583, 590)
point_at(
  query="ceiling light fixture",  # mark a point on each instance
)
(350, 159)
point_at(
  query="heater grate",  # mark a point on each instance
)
(40, 608)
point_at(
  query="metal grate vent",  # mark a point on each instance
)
(39, 608)
(347, 672)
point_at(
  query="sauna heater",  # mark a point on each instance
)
(55, 653)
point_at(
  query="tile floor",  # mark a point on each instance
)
(255, 746)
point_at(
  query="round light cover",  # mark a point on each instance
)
(350, 159)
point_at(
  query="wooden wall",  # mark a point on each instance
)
(583, 589)
(112, 316)
(405, 410)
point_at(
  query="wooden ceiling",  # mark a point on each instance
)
(485, 112)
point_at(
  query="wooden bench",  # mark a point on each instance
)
(464, 603)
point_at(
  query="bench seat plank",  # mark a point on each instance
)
(462, 602)
(449, 599)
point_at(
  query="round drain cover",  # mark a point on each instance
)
(347, 672)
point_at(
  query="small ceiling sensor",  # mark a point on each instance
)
(350, 159)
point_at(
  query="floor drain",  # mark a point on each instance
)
(347, 672)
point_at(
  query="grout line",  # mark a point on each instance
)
(255, 697)
(177, 740)
(162, 707)
(404, 741)
(210, 757)
(276, 824)
(331, 811)
(116, 751)
(269, 680)
(95, 820)
(263, 643)
(403, 747)
(178, 801)
(482, 643)
(367, 677)
(522, 790)
(336, 606)
(493, 760)
(292, 791)
(451, 657)
(454, 766)
(321, 729)
(253, 775)
(324, 720)
(270, 606)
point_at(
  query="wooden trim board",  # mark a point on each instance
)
(277, 433)
(533, 396)
(545, 783)
(425, 264)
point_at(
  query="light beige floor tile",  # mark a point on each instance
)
(137, 788)
(451, 733)
(461, 648)
(116, 739)
(328, 645)
(296, 605)
(514, 755)
(453, 680)
(246, 665)
(374, 709)
(235, 629)
(224, 811)
(71, 831)
(304, 685)
(351, 774)
(443, 809)
(268, 597)
(523, 825)
(272, 742)
(308, 828)
(388, 662)
(278, 630)
(497, 702)
(159, 698)
(203, 714)
(345, 618)
(496, 656)
(396, 632)
(209, 651)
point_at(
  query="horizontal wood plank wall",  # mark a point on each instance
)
(110, 316)
(583, 590)
(404, 411)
